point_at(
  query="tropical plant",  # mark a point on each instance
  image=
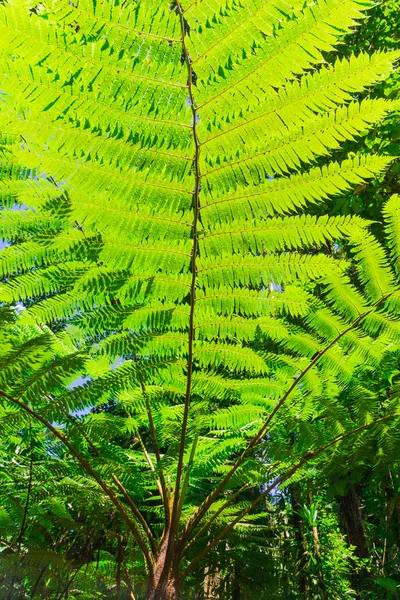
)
(379, 32)
(178, 333)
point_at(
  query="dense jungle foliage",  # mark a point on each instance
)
(199, 300)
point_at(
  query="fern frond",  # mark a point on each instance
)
(392, 216)
(171, 313)
(373, 269)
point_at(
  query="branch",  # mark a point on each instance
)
(206, 504)
(187, 474)
(104, 486)
(150, 463)
(310, 454)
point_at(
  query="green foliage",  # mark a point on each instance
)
(378, 32)
(171, 315)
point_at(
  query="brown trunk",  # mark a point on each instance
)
(352, 518)
(164, 584)
(166, 588)
(169, 591)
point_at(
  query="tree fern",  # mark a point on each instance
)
(167, 271)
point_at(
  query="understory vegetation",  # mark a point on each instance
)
(199, 300)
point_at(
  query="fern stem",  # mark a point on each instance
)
(185, 484)
(163, 485)
(196, 211)
(207, 503)
(151, 467)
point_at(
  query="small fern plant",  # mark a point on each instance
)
(158, 236)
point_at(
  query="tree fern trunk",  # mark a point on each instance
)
(164, 583)
(165, 588)
(167, 591)
(352, 517)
